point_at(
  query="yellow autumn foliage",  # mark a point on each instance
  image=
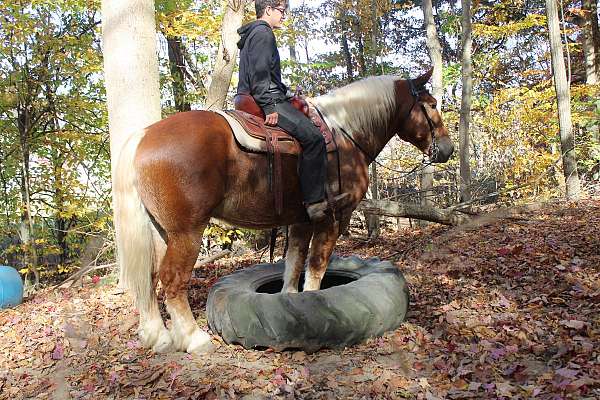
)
(516, 137)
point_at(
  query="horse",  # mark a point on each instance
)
(176, 174)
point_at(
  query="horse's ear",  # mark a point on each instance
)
(423, 79)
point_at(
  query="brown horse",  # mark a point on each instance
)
(175, 175)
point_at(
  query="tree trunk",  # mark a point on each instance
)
(591, 50)
(465, 105)
(360, 48)
(176, 66)
(435, 53)
(590, 32)
(372, 220)
(563, 94)
(374, 36)
(26, 227)
(60, 222)
(130, 69)
(292, 44)
(346, 49)
(227, 55)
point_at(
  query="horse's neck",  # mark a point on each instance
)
(364, 110)
(371, 139)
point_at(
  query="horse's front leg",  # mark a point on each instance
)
(299, 240)
(175, 273)
(323, 242)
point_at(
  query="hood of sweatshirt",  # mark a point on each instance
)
(245, 31)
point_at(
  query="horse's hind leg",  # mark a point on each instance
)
(322, 245)
(152, 330)
(299, 239)
(175, 273)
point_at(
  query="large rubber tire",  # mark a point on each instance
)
(375, 302)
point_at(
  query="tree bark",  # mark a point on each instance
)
(567, 140)
(362, 63)
(589, 38)
(292, 44)
(176, 66)
(372, 220)
(346, 48)
(435, 53)
(26, 228)
(227, 54)
(465, 105)
(405, 210)
(130, 69)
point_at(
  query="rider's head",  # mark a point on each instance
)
(271, 11)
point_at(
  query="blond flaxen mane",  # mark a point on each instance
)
(366, 106)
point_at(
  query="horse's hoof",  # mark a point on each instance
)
(200, 343)
(154, 335)
(289, 289)
(164, 343)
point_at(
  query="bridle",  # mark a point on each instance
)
(416, 93)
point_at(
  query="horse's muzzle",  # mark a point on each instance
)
(444, 150)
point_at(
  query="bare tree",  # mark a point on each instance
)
(465, 105)
(563, 96)
(227, 54)
(591, 41)
(177, 68)
(435, 53)
(130, 69)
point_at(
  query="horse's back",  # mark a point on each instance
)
(180, 163)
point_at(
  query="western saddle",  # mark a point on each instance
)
(273, 140)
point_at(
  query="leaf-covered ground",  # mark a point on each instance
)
(506, 307)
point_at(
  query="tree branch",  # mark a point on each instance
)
(395, 209)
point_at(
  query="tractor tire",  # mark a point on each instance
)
(359, 299)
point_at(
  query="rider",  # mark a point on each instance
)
(260, 76)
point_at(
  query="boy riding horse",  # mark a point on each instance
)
(260, 76)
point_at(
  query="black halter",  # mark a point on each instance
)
(416, 93)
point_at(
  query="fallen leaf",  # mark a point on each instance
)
(573, 323)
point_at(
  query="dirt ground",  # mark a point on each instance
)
(505, 307)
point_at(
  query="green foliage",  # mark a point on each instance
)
(53, 118)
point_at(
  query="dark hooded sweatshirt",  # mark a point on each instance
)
(260, 66)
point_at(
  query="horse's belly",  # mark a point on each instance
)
(249, 199)
(252, 214)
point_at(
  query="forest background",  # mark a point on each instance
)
(55, 190)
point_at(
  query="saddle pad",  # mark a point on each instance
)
(251, 133)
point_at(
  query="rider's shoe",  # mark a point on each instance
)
(316, 211)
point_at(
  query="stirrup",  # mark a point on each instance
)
(316, 211)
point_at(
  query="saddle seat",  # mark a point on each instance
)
(248, 125)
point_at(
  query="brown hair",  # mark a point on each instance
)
(261, 5)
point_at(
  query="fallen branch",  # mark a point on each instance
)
(214, 257)
(82, 272)
(405, 210)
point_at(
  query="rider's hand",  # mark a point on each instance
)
(272, 119)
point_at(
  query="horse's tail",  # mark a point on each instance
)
(133, 227)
